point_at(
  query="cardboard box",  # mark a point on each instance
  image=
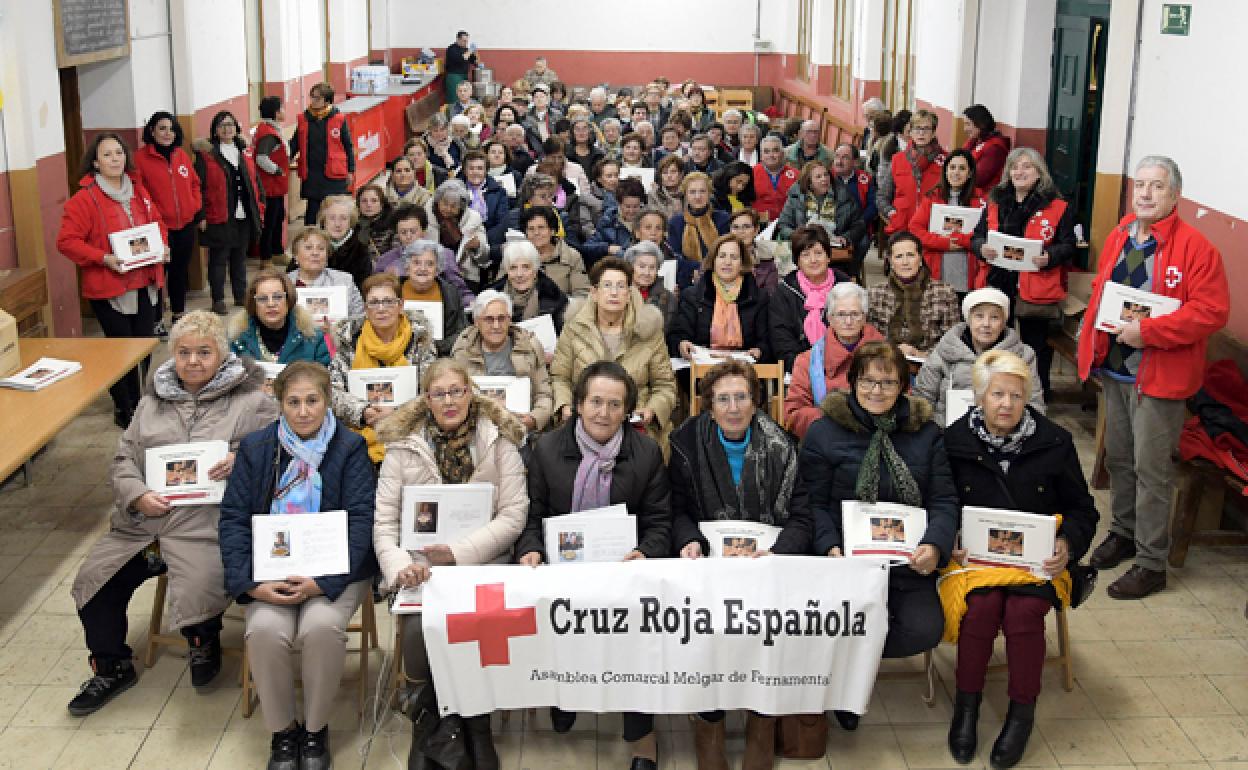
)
(10, 356)
(1075, 303)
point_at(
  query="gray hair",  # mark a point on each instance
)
(771, 138)
(515, 250)
(597, 91)
(611, 122)
(425, 246)
(484, 299)
(844, 290)
(642, 249)
(456, 189)
(533, 182)
(1044, 185)
(997, 361)
(1162, 161)
(734, 112)
(200, 323)
(752, 128)
(874, 104)
(809, 124)
(437, 120)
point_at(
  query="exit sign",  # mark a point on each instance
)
(1176, 19)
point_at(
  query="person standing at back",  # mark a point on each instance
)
(323, 151)
(273, 166)
(460, 58)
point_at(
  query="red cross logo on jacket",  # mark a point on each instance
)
(491, 625)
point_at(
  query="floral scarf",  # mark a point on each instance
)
(453, 449)
(299, 487)
(1003, 449)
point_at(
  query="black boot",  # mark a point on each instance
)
(205, 654)
(111, 679)
(314, 750)
(284, 749)
(848, 720)
(1012, 742)
(963, 736)
(481, 743)
(561, 721)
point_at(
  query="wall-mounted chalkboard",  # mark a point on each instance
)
(91, 30)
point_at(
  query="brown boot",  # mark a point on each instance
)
(708, 744)
(760, 742)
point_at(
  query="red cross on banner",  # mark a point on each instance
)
(491, 625)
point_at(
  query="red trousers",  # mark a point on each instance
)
(1022, 620)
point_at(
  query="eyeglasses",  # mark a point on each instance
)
(454, 394)
(884, 386)
(494, 320)
(272, 299)
(613, 286)
(847, 316)
(380, 304)
(731, 399)
(922, 129)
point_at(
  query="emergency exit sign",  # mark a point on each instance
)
(1176, 19)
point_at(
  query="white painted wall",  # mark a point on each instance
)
(292, 39)
(348, 28)
(210, 52)
(869, 17)
(938, 49)
(32, 92)
(379, 24)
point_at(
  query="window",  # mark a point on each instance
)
(805, 30)
(897, 57)
(842, 48)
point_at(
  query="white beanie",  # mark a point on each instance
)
(988, 296)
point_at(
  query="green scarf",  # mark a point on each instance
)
(867, 487)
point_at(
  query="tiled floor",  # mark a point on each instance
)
(1161, 683)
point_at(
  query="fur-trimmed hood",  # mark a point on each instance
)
(240, 321)
(411, 419)
(912, 411)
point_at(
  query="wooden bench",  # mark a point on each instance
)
(832, 130)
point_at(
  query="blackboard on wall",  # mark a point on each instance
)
(91, 30)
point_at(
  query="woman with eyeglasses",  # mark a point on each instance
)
(910, 174)
(386, 336)
(272, 327)
(449, 435)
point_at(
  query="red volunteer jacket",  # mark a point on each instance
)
(1041, 287)
(989, 154)
(906, 195)
(335, 153)
(173, 184)
(216, 185)
(275, 185)
(769, 198)
(936, 244)
(1186, 266)
(90, 215)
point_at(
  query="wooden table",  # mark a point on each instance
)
(28, 421)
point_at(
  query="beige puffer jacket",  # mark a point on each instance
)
(527, 357)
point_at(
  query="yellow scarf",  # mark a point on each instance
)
(372, 353)
(699, 234)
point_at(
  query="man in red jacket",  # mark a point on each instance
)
(1149, 366)
(772, 178)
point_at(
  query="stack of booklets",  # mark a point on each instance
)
(41, 374)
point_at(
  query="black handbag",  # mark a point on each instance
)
(446, 745)
(1082, 583)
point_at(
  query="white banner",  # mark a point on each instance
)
(778, 634)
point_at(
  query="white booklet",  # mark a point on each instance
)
(324, 303)
(667, 271)
(738, 538)
(1121, 305)
(271, 370)
(138, 246)
(881, 529)
(304, 544)
(508, 182)
(1018, 254)
(385, 386)
(514, 393)
(703, 355)
(994, 537)
(958, 401)
(953, 220)
(441, 514)
(41, 374)
(408, 601)
(598, 535)
(646, 175)
(432, 312)
(543, 327)
(179, 472)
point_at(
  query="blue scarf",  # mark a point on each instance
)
(818, 383)
(299, 488)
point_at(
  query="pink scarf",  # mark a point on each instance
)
(816, 299)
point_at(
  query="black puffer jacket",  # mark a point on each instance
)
(786, 314)
(696, 309)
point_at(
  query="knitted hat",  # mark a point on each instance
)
(987, 296)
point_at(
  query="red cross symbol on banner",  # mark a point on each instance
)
(491, 625)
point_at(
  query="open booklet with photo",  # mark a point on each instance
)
(41, 374)
(738, 538)
(432, 312)
(408, 601)
(324, 302)
(179, 472)
(598, 535)
(646, 175)
(958, 401)
(953, 220)
(1018, 254)
(543, 327)
(702, 355)
(995, 537)
(304, 544)
(137, 247)
(385, 386)
(881, 529)
(271, 370)
(442, 514)
(1120, 305)
(512, 392)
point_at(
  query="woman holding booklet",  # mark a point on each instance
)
(725, 309)
(1005, 455)
(304, 463)
(450, 435)
(877, 444)
(311, 249)
(946, 243)
(424, 283)
(203, 394)
(271, 327)
(594, 460)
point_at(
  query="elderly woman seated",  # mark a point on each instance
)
(493, 346)
(386, 336)
(311, 249)
(617, 229)
(561, 263)
(450, 435)
(910, 309)
(948, 367)
(824, 368)
(272, 328)
(350, 249)
(594, 460)
(1006, 455)
(202, 393)
(646, 257)
(411, 222)
(796, 306)
(456, 225)
(425, 283)
(302, 463)
(725, 309)
(821, 199)
(531, 291)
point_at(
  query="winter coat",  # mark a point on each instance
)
(453, 318)
(832, 454)
(643, 353)
(849, 222)
(676, 233)
(769, 199)
(659, 296)
(938, 311)
(323, 168)
(231, 406)
(787, 314)
(567, 270)
(354, 256)
(497, 205)
(936, 244)
(689, 506)
(272, 158)
(795, 155)
(638, 481)
(949, 364)
(220, 196)
(551, 301)
(348, 408)
(304, 341)
(173, 184)
(527, 358)
(89, 216)
(800, 409)
(989, 153)
(670, 204)
(900, 192)
(696, 309)
(347, 484)
(410, 460)
(609, 232)
(471, 261)
(395, 263)
(1042, 217)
